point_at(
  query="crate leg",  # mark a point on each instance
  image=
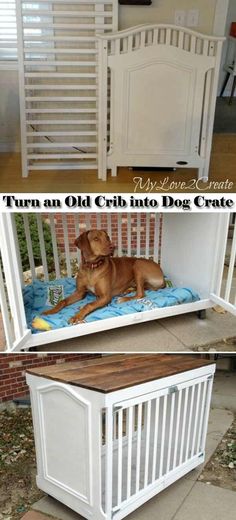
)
(201, 314)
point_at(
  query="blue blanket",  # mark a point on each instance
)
(40, 295)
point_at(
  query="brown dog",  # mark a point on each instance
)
(106, 277)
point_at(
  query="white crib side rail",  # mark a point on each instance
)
(138, 235)
(12, 303)
(142, 457)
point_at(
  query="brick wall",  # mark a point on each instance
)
(13, 367)
(86, 220)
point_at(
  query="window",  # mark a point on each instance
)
(8, 37)
(8, 32)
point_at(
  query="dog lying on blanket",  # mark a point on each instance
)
(106, 276)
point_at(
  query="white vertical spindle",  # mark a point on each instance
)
(156, 430)
(66, 244)
(184, 424)
(147, 232)
(120, 453)
(138, 234)
(177, 429)
(139, 438)
(196, 420)
(29, 246)
(42, 246)
(156, 237)
(230, 274)
(129, 456)
(54, 245)
(163, 436)
(172, 409)
(190, 417)
(203, 404)
(147, 443)
(119, 228)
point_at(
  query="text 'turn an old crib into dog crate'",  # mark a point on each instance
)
(111, 433)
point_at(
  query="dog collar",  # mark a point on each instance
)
(94, 265)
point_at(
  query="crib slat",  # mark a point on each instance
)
(42, 246)
(190, 422)
(231, 267)
(129, 458)
(170, 431)
(142, 40)
(177, 429)
(184, 425)
(54, 245)
(168, 36)
(138, 233)
(155, 36)
(77, 232)
(129, 234)
(195, 420)
(120, 449)
(147, 442)
(193, 44)
(155, 440)
(163, 436)
(203, 404)
(139, 433)
(205, 47)
(181, 40)
(66, 243)
(109, 225)
(29, 246)
(147, 245)
(17, 249)
(119, 227)
(156, 237)
(130, 43)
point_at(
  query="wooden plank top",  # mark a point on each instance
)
(115, 372)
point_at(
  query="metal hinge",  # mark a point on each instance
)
(200, 455)
(209, 377)
(173, 389)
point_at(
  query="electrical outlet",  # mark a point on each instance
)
(180, 17)
(192, 18)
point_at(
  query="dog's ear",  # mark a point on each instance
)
(82, 242)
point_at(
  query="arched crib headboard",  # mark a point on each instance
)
(157, 94)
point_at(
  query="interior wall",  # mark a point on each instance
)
(231, 17)
(9, 111)
(161, 11)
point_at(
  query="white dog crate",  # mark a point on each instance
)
(159, 107)
(193, 249)
(111, 433)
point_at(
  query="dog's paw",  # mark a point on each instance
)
(122, 299)
(75, 320)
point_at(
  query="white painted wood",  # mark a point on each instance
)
(66, 31)
(167, 72)
(207, 278)
(115, 476)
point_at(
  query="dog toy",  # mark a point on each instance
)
(40, 324)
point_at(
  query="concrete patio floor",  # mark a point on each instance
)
(175, 334)
(188, 497)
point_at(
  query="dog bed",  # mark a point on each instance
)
(40, 295)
